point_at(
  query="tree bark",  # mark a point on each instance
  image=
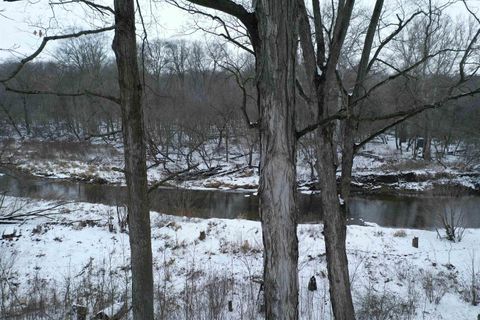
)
(348, 153)
(275, 67)
(273, 34)
(124, 46)
(26, 115)
(334, 228)
(324, 94)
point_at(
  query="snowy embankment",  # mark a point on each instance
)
(378, 164)
(202, 264)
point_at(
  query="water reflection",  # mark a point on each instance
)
(417, 212)
(393, 211)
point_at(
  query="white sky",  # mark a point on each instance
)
(18, 21)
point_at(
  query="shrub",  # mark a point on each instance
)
(400, 233)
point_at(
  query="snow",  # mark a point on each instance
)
(71, 239)
(382, 260)
(377, 158)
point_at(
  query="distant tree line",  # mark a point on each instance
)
(202, 95)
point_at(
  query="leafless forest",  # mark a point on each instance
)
(289, 91)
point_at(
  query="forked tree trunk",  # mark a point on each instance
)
(275, 67)
(334, 216)
(334, 229)
(124, 46)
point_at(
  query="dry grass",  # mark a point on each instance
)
(400, 233)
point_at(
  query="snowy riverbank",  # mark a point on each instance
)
(201, 264)
(379, 166)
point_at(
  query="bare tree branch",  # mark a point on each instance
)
(401, 26)
(404, 115)
(399, 73)
(226, 34)
(236, 72)
(64, 94)
(95, 6)
(159, 183)
(238, 11)
(45, 40)
(342, 114)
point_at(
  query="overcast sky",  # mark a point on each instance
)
(19, 20)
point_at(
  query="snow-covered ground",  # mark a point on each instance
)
(204, 263)
(77, 253)
(378, 160)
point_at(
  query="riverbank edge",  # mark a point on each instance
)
(407, 183)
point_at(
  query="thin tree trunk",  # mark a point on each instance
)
(226, 143)
(250, 155)
(124, 46)
(275, 67)
(26, 115)
(427, 140)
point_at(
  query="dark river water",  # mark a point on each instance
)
(392, 211)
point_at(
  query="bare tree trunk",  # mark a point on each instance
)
(324, 102)
(226, 143)
(273, 33)
(250, 155)
(26, 114)
(334, 229)
(124, 46)
(348, 153)
(276, 92)
(427, 140)
(334, 216)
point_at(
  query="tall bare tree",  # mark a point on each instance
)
(323, 100)
(125, 48)
(330, 100)
(274, 43)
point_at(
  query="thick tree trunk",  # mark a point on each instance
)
(334, 229)
(124, 46)
(276, 90)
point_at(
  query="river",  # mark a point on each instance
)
(420, 211)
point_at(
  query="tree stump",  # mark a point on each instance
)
(415, 242)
